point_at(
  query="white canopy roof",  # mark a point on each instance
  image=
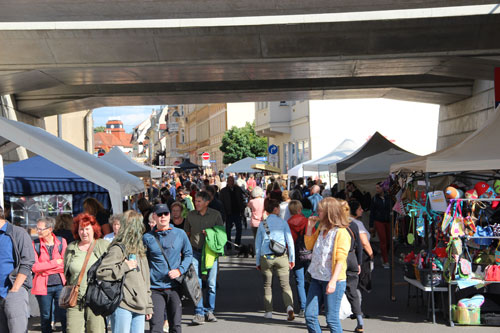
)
(374, 167)
(341, 151)
(479, 151)
(118, 182)
(377, 144)
(120, 160)
(243, 166)
(298, 171)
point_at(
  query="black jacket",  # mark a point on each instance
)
(380, 210)
(225, 197)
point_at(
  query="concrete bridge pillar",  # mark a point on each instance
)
(8, 111)
(460, 119)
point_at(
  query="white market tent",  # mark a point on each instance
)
(376, 166)
(118, 182)
(478, 152)
(243, 166)
(118, 158)
(376, 145)
(298, 171)
(341, 151)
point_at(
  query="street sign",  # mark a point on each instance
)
(205, 156)
(205, 163)
(213, 161)
(262, 158)
(273, 149)
(274, 158)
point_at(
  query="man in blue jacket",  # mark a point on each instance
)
(16, 259)
(164, 288)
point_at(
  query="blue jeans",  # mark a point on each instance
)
(125, 321)
(300, 281)
(315, 295)
(209, 293)
(48, 302)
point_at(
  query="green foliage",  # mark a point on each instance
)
(238, 143)
(99, 129)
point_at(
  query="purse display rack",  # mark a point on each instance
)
(467, 237)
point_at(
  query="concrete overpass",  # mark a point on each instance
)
(63, 57)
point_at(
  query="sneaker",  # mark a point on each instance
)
(359, 329)
(198, 319)
(268, 315)
(386, 265)
(209, 317)
(291, 315)
(165, 326)
(301, 313)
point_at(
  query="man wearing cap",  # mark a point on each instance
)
(195, 224)
(176, 248)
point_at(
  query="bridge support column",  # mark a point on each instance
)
(8, 111)
(460, 119)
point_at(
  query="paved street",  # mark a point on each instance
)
(240, 298)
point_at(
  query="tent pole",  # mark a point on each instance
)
(429, 246)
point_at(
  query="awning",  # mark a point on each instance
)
(266, 167)
(118, 182)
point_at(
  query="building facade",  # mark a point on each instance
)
(204, 127)
(286, 125)
(113, 136)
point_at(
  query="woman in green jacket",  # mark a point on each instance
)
(132, 266)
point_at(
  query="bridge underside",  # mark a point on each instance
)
(433, 60)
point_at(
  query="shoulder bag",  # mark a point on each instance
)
(189, 280)
(277, 248)
(69, 293)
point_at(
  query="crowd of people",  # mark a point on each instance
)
(310, 232)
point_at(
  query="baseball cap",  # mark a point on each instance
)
(161, 208)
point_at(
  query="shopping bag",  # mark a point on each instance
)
(345, 308)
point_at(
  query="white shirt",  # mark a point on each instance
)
(321, 263)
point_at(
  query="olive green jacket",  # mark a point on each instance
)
(136, 286)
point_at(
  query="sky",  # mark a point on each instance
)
(410, 125)
(131, 116)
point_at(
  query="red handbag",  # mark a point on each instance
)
(492, 273)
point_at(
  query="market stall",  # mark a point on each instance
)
(459, 225)
(120, 160)
(321, 164)
(377, 144)
(119, 183)
(243, 166)
(36, 187)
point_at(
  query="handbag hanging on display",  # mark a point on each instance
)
(277, 248)
(69, 293)
(189, 280)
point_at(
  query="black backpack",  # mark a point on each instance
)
(302, 254)
(103, 297)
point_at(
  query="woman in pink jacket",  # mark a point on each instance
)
(49, 273)
(256, 205)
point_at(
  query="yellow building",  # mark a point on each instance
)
(205, 125)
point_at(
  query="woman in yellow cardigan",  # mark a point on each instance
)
(330, 243)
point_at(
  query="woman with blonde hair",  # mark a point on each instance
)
(128, 260)
(330, 242)
(64, 227)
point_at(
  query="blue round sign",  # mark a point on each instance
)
(273, 149)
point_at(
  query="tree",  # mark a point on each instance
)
(99, 129)
(238, 143)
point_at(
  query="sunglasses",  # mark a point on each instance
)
(162, 214)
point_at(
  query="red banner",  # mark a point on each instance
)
(497, 86)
